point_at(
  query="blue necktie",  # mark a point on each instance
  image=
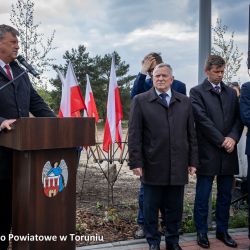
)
(217, 89)
(164, 98)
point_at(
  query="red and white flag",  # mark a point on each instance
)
(72, 101)
(90, 102)
(113, 126)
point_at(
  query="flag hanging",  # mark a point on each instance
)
(91, 110)
(113, 128)
(64, 109)
(72, 101)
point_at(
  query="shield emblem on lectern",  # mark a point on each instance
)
(54, 178)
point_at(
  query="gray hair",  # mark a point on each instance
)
(162, 65)
(7, 29)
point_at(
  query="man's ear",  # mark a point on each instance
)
(172, 79)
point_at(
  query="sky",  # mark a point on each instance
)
(134, 28)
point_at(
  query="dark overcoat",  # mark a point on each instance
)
(216, 117)
(245, 111)
(162, 140)
(17, 100)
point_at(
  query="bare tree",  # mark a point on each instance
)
(33, 46)
(224, 46)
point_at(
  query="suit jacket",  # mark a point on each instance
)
(245, 111)
(161, 139)
(216, 117)
(17, 100)
(141, 84)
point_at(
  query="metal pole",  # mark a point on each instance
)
(204, 35)
(204, 51)
(248, 59)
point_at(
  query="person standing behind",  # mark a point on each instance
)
(142, 84)
(242, 142)
(17, 100)
(218, 126)
(245, 117)
(162, 150)
(236, 87)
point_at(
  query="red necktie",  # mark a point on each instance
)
(7, 67)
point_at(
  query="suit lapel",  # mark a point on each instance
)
(152, 96)
(226, 97)
(4, 77)
(16, 71)
(3, 73)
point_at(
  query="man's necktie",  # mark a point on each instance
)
(7, 67)
(164, 97)
(217, 89)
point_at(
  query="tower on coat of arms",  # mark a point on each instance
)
(54, 177)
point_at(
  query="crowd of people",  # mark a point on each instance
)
(170, 136)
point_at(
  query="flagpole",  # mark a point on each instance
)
(109, 162)
(97, 149)
(123, 148)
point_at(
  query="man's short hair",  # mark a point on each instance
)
(162, 65)
(5, 29)
(157, 57)
(214, 60)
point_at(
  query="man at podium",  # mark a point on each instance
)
(18, 98)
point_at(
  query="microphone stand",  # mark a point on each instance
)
(14, 79)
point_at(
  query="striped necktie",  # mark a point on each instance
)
(217, 89)
(164, 98)
(7, 67)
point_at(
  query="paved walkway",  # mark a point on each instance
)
(187, 242)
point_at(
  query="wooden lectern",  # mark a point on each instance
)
(39, 221)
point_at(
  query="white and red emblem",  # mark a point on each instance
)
(54, 177)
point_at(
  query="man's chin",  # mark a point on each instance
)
(162, 90)
(14, 56)
(218, 81)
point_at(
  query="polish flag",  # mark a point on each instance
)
(113, 127)
(72, 101)
(91, 110)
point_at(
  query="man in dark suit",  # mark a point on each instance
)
(143, 84)
(162, 150)
(218, 126)
(17, 100)
(245, 117)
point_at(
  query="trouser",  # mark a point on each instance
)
(172, 198)
(223, 201)
(140, 217)
(248, 191)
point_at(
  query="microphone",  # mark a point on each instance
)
(27, 66)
